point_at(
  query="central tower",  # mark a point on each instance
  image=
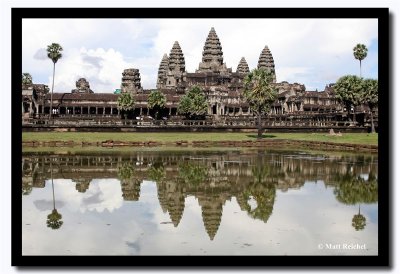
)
(212, 60)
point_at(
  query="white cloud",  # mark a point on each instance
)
(314, 52)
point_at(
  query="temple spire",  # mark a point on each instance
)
(212, 59)
(176, 66)
(243, 67)
(266, 61)
(162, 72)
(176, 59)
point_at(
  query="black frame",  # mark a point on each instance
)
(384, 248)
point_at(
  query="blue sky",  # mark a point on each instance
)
(314, 52)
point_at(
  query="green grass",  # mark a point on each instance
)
(351, 138)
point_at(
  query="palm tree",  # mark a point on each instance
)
(370, 97)
(359, 222)
(360, 52)
(156, 101)
(26, 79)
(260, 93)
(54, 53)
(126, 102)
(54, 218)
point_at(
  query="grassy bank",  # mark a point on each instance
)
(349, 138)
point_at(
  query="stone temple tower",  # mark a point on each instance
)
(267, 61)
(212, 60)
(131, 81)
(243, 67)
(162, 72)
(176, 66)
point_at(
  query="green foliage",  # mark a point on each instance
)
(54, 52)
(156, 101)
(349, 90)
(191, 173)
(54, 220)
(259, 91)
(264, 196)
(352, 190)
(126, 101)
(360, 52)
(193, 104)
(359, 222)
(26, 79)
(370, 92)
(126, 171)
(157, 173)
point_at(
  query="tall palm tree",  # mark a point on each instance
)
(260, 93)
(360, 52)
(359, 222)
(54, 53)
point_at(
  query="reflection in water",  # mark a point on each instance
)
(212, 178)
(54, 218)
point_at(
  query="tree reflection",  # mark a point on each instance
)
(130, 185)
(262, 191)
(359, 222)
(157, 172)
(192, 173)
(352, 189)
(54, 219)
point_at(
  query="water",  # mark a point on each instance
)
(243, 202)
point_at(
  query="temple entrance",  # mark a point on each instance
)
(214, 109)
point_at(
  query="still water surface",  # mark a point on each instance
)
(245, 202)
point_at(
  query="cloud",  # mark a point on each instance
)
(313, 52)
(46, 205)
(41, 54)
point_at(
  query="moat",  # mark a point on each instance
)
(200, 202)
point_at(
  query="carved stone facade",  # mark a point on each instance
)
(82, 86)
(131, 81)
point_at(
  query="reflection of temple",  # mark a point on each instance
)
(212, 178)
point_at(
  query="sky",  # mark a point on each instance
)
(313, 52)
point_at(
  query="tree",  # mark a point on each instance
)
(359, 222)
(360, 52)
(26, 79)
(348, 90)
(156, 101)
(370, 97)
(54, 218)
(54, 53)
(260, 93)
(193, 104)
(126, 102)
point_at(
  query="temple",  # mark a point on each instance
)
(222, 87)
